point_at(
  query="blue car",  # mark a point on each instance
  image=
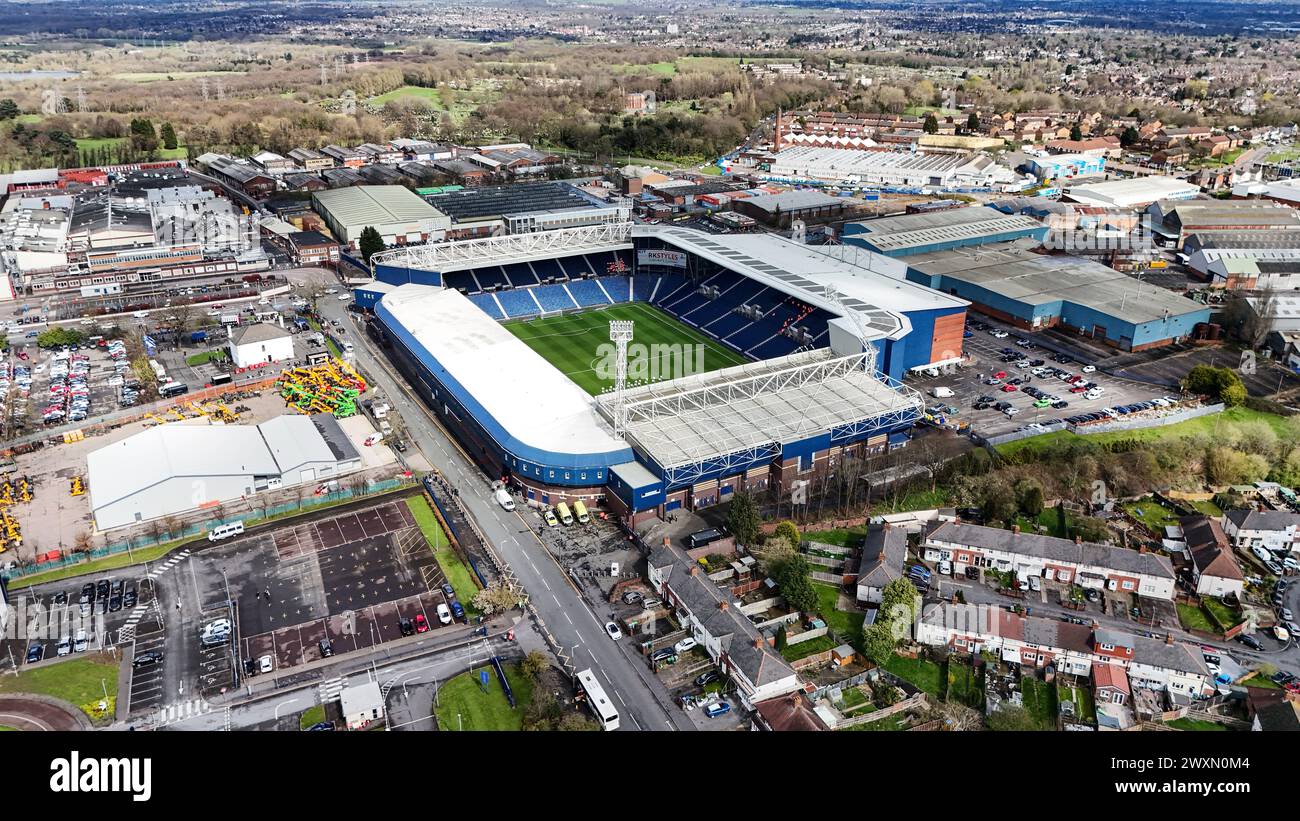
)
(35, 653)
(719, 709)
(457, 612)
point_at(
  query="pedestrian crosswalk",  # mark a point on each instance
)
(183, 710)
(134, 618)
(158, 570)
(331, 689)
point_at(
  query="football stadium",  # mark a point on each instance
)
(754, 362)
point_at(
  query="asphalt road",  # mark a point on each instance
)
(642, 704)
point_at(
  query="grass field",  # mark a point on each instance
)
(460, 576)
(1212, 425)
(573, 344)
(82, 681)
(463, 705)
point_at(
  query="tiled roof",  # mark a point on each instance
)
(1053, 549)
(1209, 547)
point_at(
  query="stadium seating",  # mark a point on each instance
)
(462, 281)
(547, 268)
(575, 267)
(587, 292)
(490, 276)
(520, 302)
(643, 287)
(520, 275)
(553, 298)
(488, 304)
(618, 288)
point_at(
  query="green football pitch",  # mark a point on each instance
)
(578, 345)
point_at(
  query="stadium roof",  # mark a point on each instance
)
(696, 424)
(533, 406)
(1013, 271)
(503, 200)
(870, 285)
(376, 205)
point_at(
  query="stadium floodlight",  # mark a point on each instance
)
(620, 333)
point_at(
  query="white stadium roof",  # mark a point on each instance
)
(870, 285)
(733, 416)
(527, 396)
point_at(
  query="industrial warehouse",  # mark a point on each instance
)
(170, 469)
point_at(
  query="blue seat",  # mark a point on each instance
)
(520, 275)
(547, 268)
(553, 298)
(518, 303)
(461, 281)
(490, 276)
(487, 304)
(588, 292)
(642, 287)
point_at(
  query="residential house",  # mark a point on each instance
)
(1214, 568)
(1274, 530)
(715, 620)
(1110, 684)
(884, 552)
(309, 159)
(791, 712)
(1065, 561)
(1281, 716)
(1175, 668)
(344, 157)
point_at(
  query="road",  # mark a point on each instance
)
(581, 631)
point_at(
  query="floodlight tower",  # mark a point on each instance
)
(620, 333)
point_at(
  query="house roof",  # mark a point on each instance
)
(790, 713)
(260, 332)
(719, 614)
(1246, 519)
(1209, 547)
(883, 554)
(1054, 549)
(1110, 675)
(1284, 716)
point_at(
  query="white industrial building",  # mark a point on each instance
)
(891, 168)
(260, 344)
(175, 468)
(1138, 192)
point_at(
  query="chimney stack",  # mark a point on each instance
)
(776, 141)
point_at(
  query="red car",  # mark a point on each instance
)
(1000, 375)
(1078, 389)
(421, 624)
(1293, 687)
(1009, 388)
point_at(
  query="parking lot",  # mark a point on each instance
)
(353, 581)
(995, 392)
(56, 611)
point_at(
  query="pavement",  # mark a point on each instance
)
(566, 614)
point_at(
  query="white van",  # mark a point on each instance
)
(216, 534)
(503, 499)
(941, 393)
(348, 348)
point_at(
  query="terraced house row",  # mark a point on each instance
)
(1089, 565)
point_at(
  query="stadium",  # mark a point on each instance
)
(754, 362)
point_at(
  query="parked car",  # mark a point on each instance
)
(716, 709)
(35, 653)
(663, 655)
(326, 649)
(422, 624)
(685, 645)
(457, 611)
(407, 628)
(612, 629)
(707, 677)
(1250, 641)
(444, 614)
(147, 658)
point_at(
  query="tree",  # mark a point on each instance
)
(370, 243)
(774, 553)
(1223, 384)
(8, 109)
(1000, 503)
(168, 136)
(1030, 495)
(497, 597)
(931, 125)
(1129, 137)
(789, 531)
(795, 581)
(781, 638)
(973, 123)
(534, 665)
(878, 643)
(898, 600)
(143, 136)
(1076, 133)
(743, 519)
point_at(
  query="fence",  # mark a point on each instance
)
(195, 529)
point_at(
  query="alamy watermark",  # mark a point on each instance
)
(1100, 238)
(651, 363)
